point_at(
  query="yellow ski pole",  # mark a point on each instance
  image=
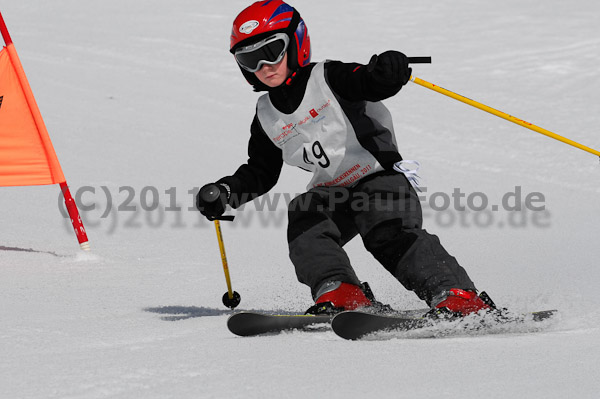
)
(231, 298)
(501, 114)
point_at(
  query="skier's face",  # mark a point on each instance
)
(274, 75)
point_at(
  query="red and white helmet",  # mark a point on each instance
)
(265, 18)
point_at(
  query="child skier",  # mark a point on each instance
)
(327, 118)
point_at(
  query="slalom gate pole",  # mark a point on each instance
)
(4, 31)
(39, 122)
(502, 115)
(75, 218)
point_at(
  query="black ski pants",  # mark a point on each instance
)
(385, 210)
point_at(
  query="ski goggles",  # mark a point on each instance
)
(268, 51)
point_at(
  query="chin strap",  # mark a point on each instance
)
(289, 81)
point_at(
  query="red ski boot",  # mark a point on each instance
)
(457, 302)
(336, 297)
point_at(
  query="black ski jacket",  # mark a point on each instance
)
(351, 81)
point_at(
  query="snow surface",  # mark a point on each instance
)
(143, 95)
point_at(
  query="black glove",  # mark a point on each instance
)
(389, 69)
(212, 199)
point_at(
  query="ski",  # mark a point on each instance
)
(355, 325)
(246, 324)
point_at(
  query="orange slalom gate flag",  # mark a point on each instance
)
(26, 153)
(27, 156)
